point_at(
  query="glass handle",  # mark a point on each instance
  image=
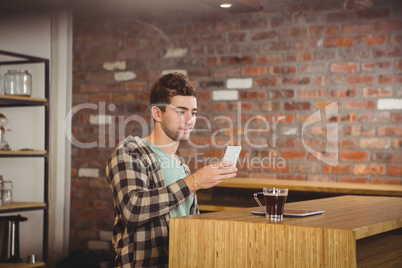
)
(258, 201)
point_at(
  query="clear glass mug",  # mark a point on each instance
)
(7, 192)
(275, 199)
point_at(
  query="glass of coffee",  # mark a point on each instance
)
(275, 199)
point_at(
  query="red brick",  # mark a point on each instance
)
(281, 21)
(369, 14)
(298, 8)
(266, 82)
(292, 177)
(215, 106)
(387, 52)
(390, 131)
(254, 70)
(261, 59)
(268, 106)
(374, 117)
(263, 176)
(123, 97)
(253, 24)
(358, 28)
(100, 97)
(390, 79)
(394, 170)
(322, 104)
(339, 169)
(313, 68)
(365, 130)
(373, 40)
(399, 65)
(292, 32)
(347, 144)
(293, 154)
(343, 67)
(397, 143)
(296, 81)
(280, 93)
(240, 60)
(360, 79)
(318, 31)
(328, 80)
(377, 92)
(340, 17)
(277, 46)
(140, 86)
(306, 44)
(386, 180)
(389, 157)
(338, 42)
(343, 93)
(361, 104)
(369, 169)
(203, 96)
(321, 178)
(351, 117)
(360, 156)
(264, 35)
(276, 167)
(297, 106)
(305, 167)
(301, 56)
(386, 26)
(374, 143)
(282, 70)
(252, 95)
(357, 4)
(89, 88)
(396, 117)
(354, 179)
(227, 72)
(225, 26)
(312, 93)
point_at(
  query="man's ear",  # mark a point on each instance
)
(156, 113)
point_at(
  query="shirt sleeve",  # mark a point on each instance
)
(138, 190)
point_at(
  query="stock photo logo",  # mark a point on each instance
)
(118, 124)
(330, 156)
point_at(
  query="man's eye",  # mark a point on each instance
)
(180, 112)
(194, 114)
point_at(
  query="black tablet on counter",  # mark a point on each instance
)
(294, 212)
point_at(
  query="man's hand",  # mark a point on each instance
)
(210, 175)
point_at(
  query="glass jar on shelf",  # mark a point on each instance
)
(18, 82)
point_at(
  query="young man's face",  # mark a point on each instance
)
(179, 118)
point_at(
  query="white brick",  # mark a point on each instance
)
(116, 65)
(124, 76)
(239, 83)
(88, 172)
(389, 104)
(105, 235)
(175, 71)
(290, 130)
(225, 95)
(98, 245)
(176, 52)
(100, 119)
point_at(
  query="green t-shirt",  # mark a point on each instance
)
(172, 172)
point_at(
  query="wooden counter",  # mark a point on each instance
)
(341, 237)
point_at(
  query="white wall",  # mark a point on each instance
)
(46, 35)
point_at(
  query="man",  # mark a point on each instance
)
(148, 181)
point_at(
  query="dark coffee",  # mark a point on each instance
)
(275, 204)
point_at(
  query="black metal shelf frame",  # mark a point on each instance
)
(26, 59)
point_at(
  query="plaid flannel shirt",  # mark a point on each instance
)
(142, 204)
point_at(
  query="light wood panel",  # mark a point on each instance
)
(313, 186)
(236, 238)
(23, 152)
(23, 205)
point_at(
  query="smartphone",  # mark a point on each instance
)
(232, 154)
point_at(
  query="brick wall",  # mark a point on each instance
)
(259, 76)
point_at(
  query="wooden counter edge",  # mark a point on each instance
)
(312, 186)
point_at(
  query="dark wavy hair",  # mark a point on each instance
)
(168, 86)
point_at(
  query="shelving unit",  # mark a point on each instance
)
(22, 101)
